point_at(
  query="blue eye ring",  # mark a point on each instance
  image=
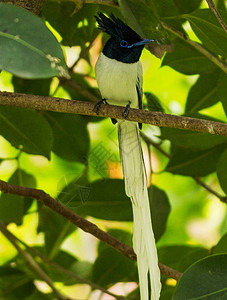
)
(124, 44)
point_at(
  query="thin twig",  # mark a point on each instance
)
(209, 189)
(197, 46)
(216, 13)
(31, 262)
(197, 179)
(60, 268)
(86, 108)
(84, 224)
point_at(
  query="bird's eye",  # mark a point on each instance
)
(124, 44)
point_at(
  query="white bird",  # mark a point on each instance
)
(119, 77)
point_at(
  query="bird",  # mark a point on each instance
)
(119, 77)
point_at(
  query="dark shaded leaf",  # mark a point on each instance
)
(194, 163)
(153, 103)
(111, 266)
(55, 229)
(187, 60)
(28, 86)
(206, 279)
(207, 28)
(191, 139)
(24, 53)
(221, 171)
(104, 199)
(14, 207)
(221, 246)
(180, 257)
(71, 139)
(185, 7)
(75, 28)
(222, 90)
(27, 130)
(160, 209)
(144, 19)
(204, 92)
(15, 284)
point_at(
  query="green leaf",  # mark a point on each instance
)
(221, 246)
(111, 266)
(206, 279)
(222, 90)
(55, 228)
(187, 60)
(190, 162)
(103, 199)
(153, 103)
(15, 284)
(34, 87)
(204, 92)
(221, 171)
(77, 28)
(207, 28)
(27, 130)
(185, 7)
(160, 209)
(14, 207)
(179, 257)
(144, 19)
(24, 53)
(71, 139)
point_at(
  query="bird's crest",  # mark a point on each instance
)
(116, 28)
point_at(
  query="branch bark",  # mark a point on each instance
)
(216, 13)
(112, 111)
(34, 6)
(84, 224)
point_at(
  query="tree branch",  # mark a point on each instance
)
(84, 224)
(33, 6)
(31, 262)
(216, 13)
(87, 108)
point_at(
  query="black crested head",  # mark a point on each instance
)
(116, 28)
(125, 44)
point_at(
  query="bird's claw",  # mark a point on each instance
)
(126, 111)
(98, 105)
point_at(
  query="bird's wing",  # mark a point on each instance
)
(139, 86)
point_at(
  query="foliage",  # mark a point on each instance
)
(75, 158)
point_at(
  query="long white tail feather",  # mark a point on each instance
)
(136, 188)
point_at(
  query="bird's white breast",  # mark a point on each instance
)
(117, 81)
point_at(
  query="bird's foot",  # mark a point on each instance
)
(98, 105)
(126, 111)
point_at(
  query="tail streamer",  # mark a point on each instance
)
(136, 188)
